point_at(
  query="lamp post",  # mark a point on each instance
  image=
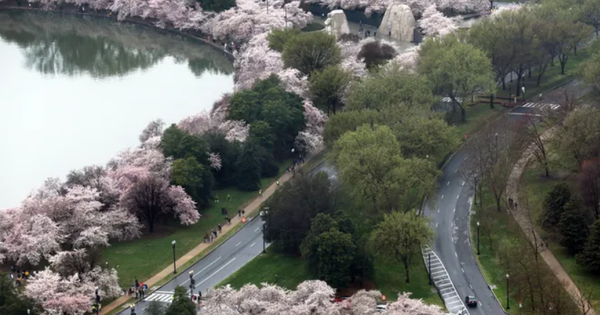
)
(523, 89)
(28, 311)
(264, 229)
(174, 266)
(192, 284)
(478, 252)
(507, 293)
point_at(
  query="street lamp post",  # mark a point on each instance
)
(507, 292)
(264, 228)
(478, 252)
(174, 266)
(192, 284)
(523, 89)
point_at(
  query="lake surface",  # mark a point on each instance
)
(74, 91)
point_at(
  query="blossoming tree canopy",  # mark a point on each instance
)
(310, 297)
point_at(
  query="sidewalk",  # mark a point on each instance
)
(522, 217)
(250, 208)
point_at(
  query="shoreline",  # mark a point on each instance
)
(105, 14)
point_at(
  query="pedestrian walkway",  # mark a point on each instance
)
(160, 296)
(542, 106)
(249, 209)
(441, 280)
(523, 218)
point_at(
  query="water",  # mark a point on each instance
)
(75, 91)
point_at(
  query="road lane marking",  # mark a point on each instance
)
(252, 244)
(256, 229)
(448, 184)
(470, 286)
(455, 254)
(212, 263)
(438, 210)
(436, 225)
(442, 196)
(238, 244)
(457, 196)
(463, 183)
(465, 158)
(454, 210)
(214, 273)
(462, 270)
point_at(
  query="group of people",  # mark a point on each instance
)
(20, 275)
(139, 289)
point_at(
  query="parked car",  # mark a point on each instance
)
(381, 307)
(471, 301)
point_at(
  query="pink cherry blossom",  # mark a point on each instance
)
(256, 61)
(33, 238)
(407, 60)
(315, 118)
(184, 207)
(434, 23)
(215, 160)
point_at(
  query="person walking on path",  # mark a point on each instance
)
(228, 197)
(260, 192)
(278, 183)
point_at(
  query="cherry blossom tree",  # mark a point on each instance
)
(214, 122)
(154, 129)
(434, 23)
(32, 238)
(407, 60)
(256, 61)
(310, 297)
(215, 160)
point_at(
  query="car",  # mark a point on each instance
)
(381, 307)
(471, 301)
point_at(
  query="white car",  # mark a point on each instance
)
(381, 307)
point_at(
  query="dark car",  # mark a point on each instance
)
(471, 301)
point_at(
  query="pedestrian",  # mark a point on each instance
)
(366, 34)
(219, 227)
(390, 33)
(223, 210)
(240, 213)
(374, 34)
(137, 283)
(260, 192)
(228, 197)
(278, 182)
(244, 212)
(229, 220)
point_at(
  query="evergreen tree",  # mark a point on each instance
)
(248, 168)
(589, 258)
(573, 227)
(182, 304)
(554, 205)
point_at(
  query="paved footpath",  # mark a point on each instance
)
(523, 218)
(250, 209)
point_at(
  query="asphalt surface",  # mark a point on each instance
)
(214, 268)
(450, 213)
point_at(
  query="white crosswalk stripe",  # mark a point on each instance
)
(442, 281)
(165, 297)
(537, 105)
(449, 100)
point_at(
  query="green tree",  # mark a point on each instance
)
(14, 303)
(494, 37)
(590, 73)
(590, 14)
(577, 139)
(182, 304)
(309, 52)
(456, 69)
(268, 101)
(248, 168)
(293, 207)
(399, 237)
(188, 174)
(334, 253)
(424, 137)
(279, 37)
(321, 223)
(229, 152)
(262, 134)
(589, 258)
(155, 308)
(348, 120)
(370, 161)
(574, 227)
(554, 205)
(170, 141)
(327, 88)
(392, 88)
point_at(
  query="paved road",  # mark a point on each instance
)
(215, 267)
(450, 211)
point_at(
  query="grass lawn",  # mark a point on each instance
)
(291, 271)
(537, 188)
(150, 254)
